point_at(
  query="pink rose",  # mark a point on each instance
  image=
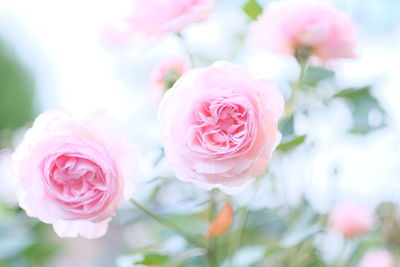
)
(287, 26)
(170, 69)
(153, 18)
(351, 220)
(378, 258)
(219, 126)
(166, 73)
(72, 173)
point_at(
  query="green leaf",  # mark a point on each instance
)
(153, 259)
(353, 93)
(291, 143)
(362, 104)
(170, 78)
(299, 235)
(316, 263)
(301, 225)
(314, 75)
(286, 126)
(253, 9)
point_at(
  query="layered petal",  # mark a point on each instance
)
(219, 126)
(74, 170)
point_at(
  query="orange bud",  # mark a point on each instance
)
(222, 222)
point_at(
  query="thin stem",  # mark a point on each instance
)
(188, 254)
(298, 85)
(235, 244)
(186, 48)
(173, 227)
(167, 223)
(341, 261)
(212, 242)
(212, 260)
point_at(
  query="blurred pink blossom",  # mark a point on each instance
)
(166, 73)
(287, 26)
(73, 173)
(378, 258)
(220, 126)
(154, 18)
(351, 219)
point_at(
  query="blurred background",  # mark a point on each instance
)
(56, 55)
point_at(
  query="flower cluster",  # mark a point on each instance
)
(219, 124)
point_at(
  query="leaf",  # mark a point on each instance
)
(286, 126)
(302, 225)
(364, 107)
(153, 259)
(291, 143)
(253, 9)
(222, 222)
(170, 78)
(299, 235)
(316, 263)
(314, 75)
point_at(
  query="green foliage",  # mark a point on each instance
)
(170, 78)
(16, 92)
(153, 259)
(253, 9)
(24, 241)
(314, 75)
(291, 142)
(362, 103)
(289, 138)
(286, 126)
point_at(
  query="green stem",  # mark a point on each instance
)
(341, 260)
(235, 244)
(212, 242)
(173, 227)
(167, 223)
(298, 85)
(212, 260)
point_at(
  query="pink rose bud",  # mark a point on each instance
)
(378, 258)
(219, 126)
(168, 71)
(74, 174)
(153, 18)
(351, 220)
(290, 27)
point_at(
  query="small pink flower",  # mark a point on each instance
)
(287, 26)
(72, 173)
(378, 258)
(219, 126)
(154, 18)
(351, 220)
(168, 71)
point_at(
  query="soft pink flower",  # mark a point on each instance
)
(378, 258)
(167, 72)
(219, 126)
(286, 26)
(153, 18)
(351, 219)
(73, 173)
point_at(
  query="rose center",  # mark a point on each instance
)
(220, 126)
(76, 183)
